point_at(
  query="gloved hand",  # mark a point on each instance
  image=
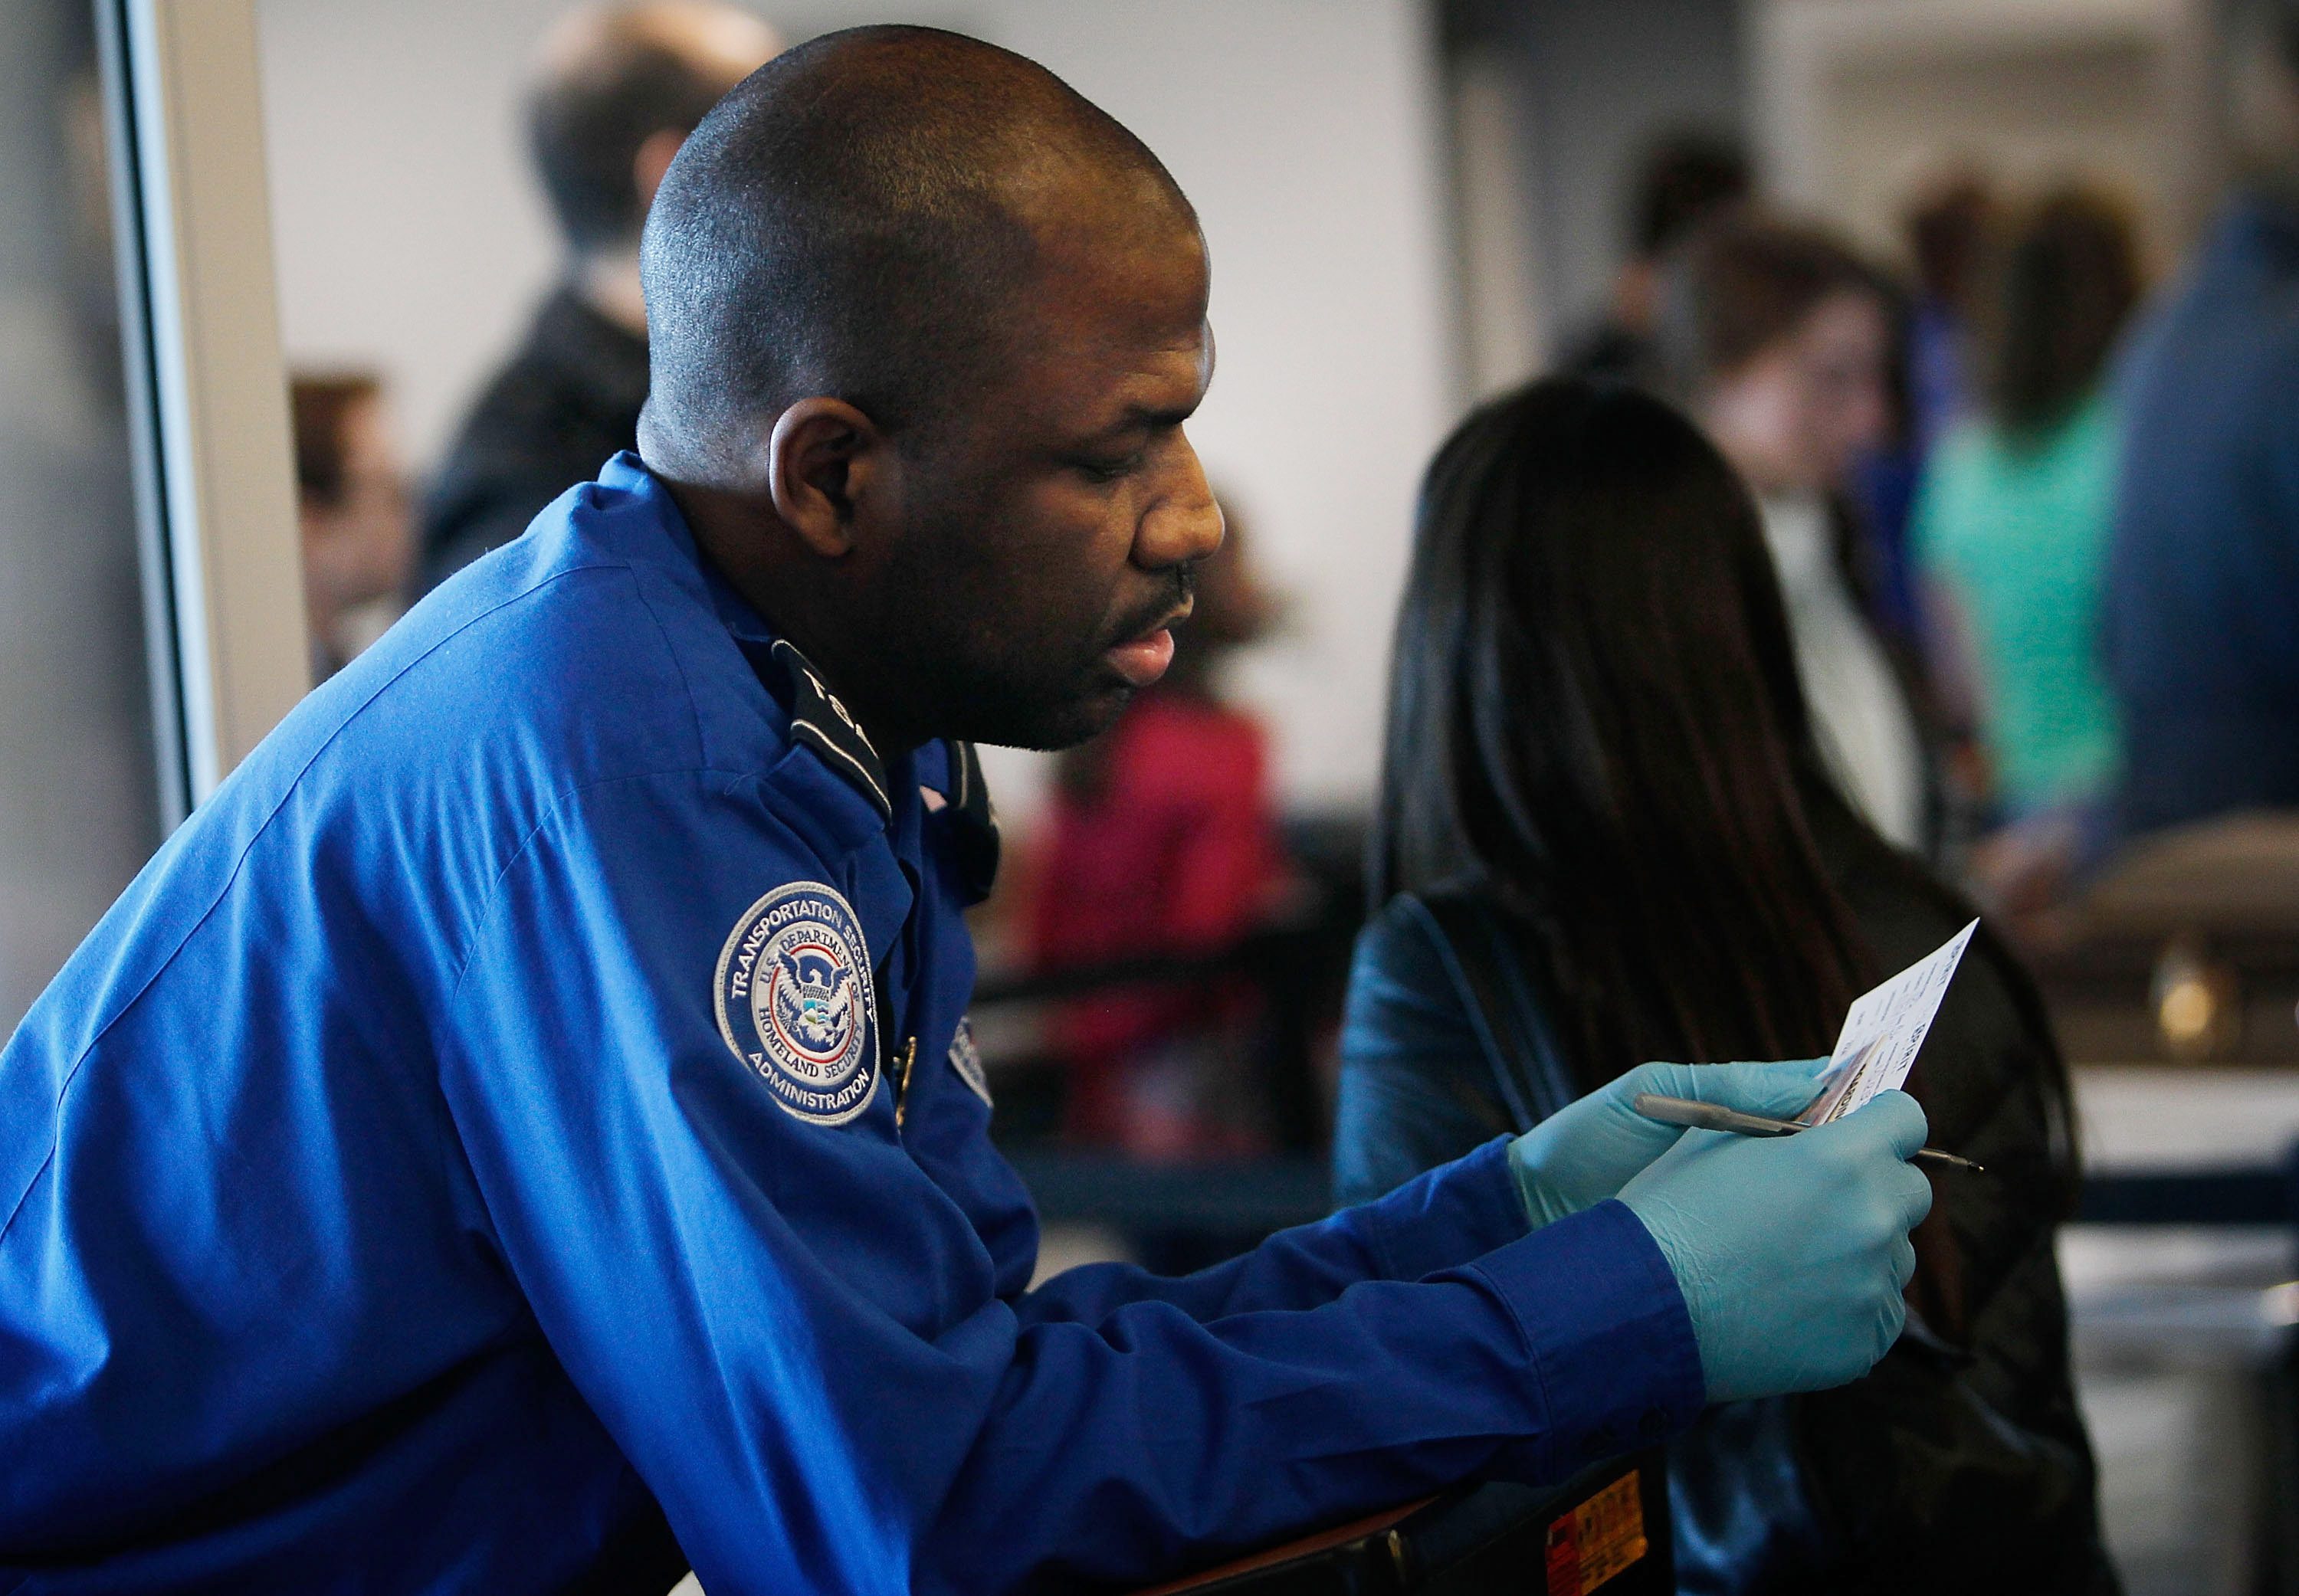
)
(1584, 1153)
(1792, 1253)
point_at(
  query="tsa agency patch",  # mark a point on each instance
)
(795, 1003)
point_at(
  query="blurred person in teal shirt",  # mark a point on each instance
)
(2012, 528)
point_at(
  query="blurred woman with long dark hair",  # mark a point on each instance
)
(1778, 340)
(2010, 531)
(1606, 835)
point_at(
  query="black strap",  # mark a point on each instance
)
(973, 820)
(1500, 986)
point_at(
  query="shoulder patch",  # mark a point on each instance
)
(819, 721)
(967, 1060)
(793, 997)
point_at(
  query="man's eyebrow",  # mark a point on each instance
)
(1153, 418)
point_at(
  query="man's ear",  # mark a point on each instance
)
(823, 458)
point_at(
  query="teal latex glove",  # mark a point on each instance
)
(1586, 1153)
(1791, 1253)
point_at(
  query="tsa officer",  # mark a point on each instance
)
(522, 1133)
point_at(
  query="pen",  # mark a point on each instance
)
(1712, 1116)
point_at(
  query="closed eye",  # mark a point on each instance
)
(1107, 470)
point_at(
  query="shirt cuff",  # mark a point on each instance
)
(1608, 1340)
(1455, 1213)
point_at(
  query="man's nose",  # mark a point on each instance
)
(1184, 522)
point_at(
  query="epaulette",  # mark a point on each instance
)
(819, 721)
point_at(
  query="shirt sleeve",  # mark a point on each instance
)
(1149, 1442)
(795, 1337)
(1452, 1215)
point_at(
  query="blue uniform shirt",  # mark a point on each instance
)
(526, 1115)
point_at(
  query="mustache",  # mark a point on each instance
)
(1174, 599)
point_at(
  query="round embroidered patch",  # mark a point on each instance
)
(795, 1003)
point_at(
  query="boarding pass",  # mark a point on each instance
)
(1883, 1033)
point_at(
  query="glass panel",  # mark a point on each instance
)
(78, 807)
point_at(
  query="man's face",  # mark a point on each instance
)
(1051, 534)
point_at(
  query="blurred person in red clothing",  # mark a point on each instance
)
(1162, 841)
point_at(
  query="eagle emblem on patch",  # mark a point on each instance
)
(795, 1003)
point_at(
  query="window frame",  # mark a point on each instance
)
(207, 384)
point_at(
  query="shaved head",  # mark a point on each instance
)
(925, 325)
(864, 219)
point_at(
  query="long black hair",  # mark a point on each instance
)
(1594, 720)
(2068, 283)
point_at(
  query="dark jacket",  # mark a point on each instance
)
(1944, 1469)
(563, 406)
(2202, 607)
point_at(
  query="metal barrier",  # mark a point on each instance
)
(2187, 1197)
(1298, 968)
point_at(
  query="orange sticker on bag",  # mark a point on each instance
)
(1603, 1536)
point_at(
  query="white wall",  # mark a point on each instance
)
(408, 237)
(1305, 131)
(1860, 106)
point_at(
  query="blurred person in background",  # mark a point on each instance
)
(2202, 588)
(351, 495)
(1656, 865)
(617, 93)
(1685, 179)
(1947, 227)
(1778, 340)
(1163, 841)
(1926, 383)
(2012, 531)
